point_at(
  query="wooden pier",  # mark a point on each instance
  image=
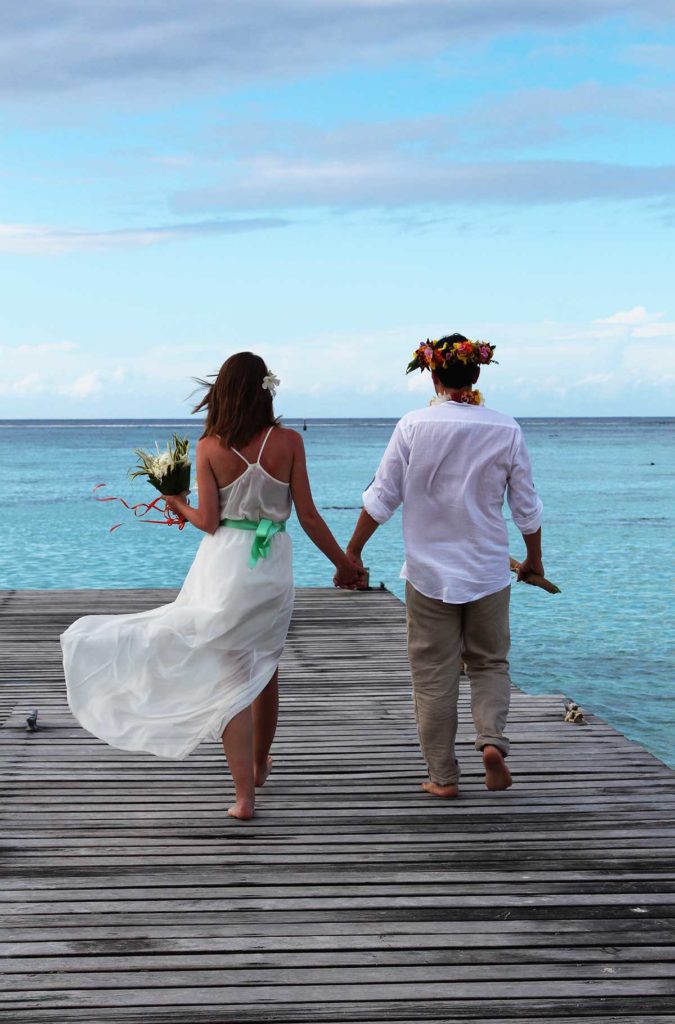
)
(128, 895)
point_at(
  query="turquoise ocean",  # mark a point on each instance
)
(608, 487)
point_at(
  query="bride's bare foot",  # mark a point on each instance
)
(497, 775)
(445, 791)
(243, 809)
(260, 773)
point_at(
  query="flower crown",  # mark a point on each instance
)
(440, 354)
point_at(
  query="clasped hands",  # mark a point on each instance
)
(351, 575)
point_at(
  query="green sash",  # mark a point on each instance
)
(264, 531)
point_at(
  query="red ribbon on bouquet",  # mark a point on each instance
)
(143, 508)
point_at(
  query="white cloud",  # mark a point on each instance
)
(42, 240)
(656, 330)
(631, 317)
(640, 323)
(83, 386)
(64, 369)
(41, 349)
(23, 386)
(596, 380)
(396, 178)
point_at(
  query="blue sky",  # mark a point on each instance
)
(328, 183)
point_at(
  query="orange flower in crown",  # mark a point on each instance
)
(437, 355)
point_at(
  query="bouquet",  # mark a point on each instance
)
(167, 471)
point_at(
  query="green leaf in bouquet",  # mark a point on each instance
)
(167, 471)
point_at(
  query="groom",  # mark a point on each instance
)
(450, 466)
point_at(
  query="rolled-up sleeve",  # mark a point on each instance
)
(525, 504)
(385, 493)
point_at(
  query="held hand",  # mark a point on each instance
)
(354, 557)
(350, 574)
(362, 582)
(345, 578)
(534, 565)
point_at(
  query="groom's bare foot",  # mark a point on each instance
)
(260, 773)
(497, 775)
(243, 809)
(445, 791)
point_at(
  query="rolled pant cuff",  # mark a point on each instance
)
(493, 741)
(451, 779)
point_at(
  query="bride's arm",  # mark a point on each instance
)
(206, 516)
(310, 519)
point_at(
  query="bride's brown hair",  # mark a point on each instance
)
(237, 404)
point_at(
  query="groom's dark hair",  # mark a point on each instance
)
(457, 375)
(237, 404)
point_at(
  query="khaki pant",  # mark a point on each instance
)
(440, 636)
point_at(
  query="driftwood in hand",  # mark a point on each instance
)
(534, 579)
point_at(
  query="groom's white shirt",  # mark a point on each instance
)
(451, 466)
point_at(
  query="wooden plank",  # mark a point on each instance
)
(463, 977)
(546, 993)
(372, 1014)
(651, 1011)
(404, 954)
(456, 939)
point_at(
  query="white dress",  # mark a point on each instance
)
(166, 679)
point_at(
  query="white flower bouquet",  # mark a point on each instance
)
(169, 470)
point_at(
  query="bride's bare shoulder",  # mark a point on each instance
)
(290, 435)
(211, 449)
(208, 443)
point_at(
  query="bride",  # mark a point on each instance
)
(206, 666)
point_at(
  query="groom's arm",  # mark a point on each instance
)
(526, 508)
(363, 531)
(385, 493)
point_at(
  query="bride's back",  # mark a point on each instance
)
(228, 464)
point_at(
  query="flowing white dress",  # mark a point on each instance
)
(166, 679)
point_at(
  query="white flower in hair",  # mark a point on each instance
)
(270, 383)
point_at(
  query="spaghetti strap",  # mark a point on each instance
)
(262, 447)
(240, 456)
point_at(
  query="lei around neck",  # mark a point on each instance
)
(466, 398)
